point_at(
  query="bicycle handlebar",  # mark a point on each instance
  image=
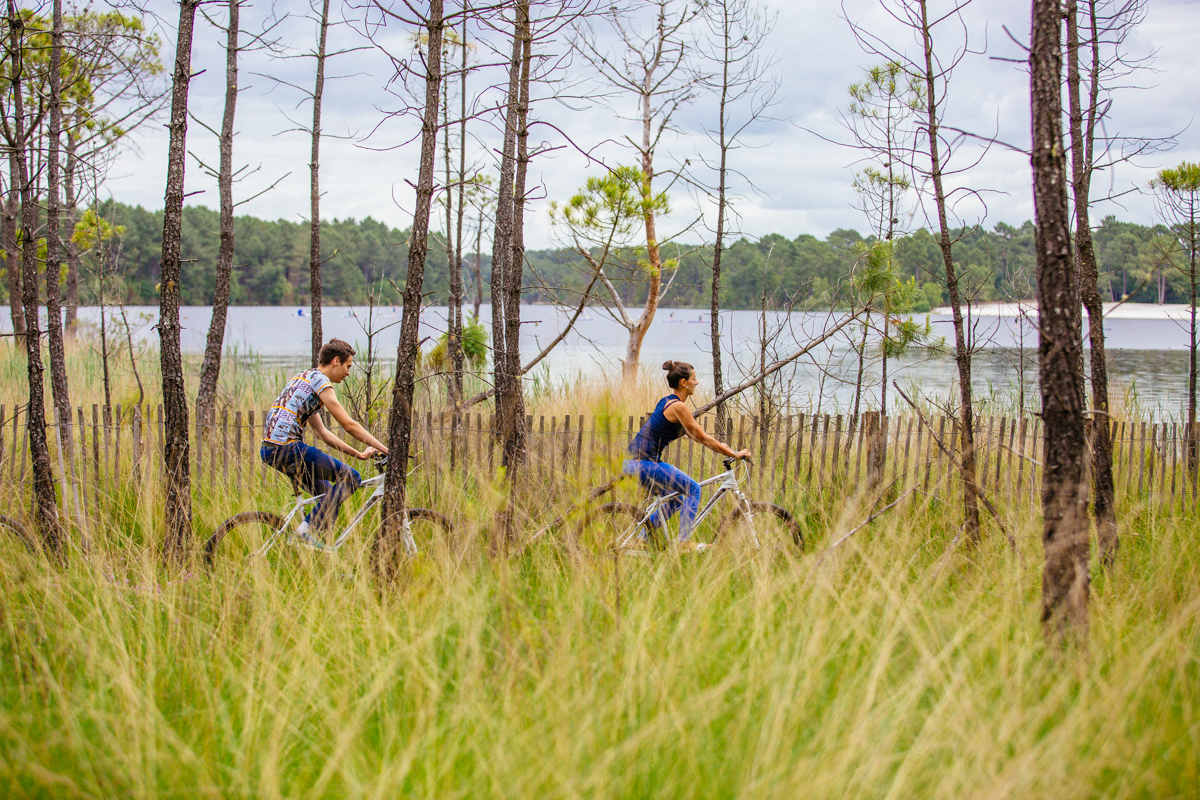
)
(729, 462)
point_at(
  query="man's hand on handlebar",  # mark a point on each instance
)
(743, 455)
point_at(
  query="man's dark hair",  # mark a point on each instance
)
(677, 371)
(334, 348)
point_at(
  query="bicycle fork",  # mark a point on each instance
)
(749, 512)
(406, 538)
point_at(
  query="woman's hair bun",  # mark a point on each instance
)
(668, 365)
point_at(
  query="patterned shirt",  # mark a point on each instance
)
(298, 401)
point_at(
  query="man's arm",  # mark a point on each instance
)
(329, 399)
(327, 436)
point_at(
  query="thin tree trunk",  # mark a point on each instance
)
(453, 268)
(961, 356)
(210, 370)
(456, 285)
(637, 333)
(400, 424)
(1104, 491)
(514, 434)
(58, 356)
(502, 240)
(479, 264)
(12, 250)
(314, 166)
(53, 535)
(70, 212)
(1064, 491)
(175, 428)
(714, 309)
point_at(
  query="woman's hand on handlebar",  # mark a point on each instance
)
(369, 452)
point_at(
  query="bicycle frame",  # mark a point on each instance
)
(727, 483)
(300, 503)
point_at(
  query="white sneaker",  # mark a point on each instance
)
(305, 539)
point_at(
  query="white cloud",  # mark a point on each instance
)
(803, 182)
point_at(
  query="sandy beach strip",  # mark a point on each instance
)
(1169, 311)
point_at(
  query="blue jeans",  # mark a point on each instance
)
(316, 472)
(664, 479)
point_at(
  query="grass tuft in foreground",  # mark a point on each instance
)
(897, 667)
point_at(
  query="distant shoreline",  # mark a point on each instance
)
(1167, 311)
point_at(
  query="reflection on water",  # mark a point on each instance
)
(1148, 359)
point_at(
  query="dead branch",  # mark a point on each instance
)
(958, 464)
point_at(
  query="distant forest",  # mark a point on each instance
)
(272, 264)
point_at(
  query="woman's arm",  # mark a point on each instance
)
(329, 399)
(683, 415)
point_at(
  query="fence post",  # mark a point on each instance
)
(117, 445)
(835, 467)
(907, 444)
(787, 451)
(62, 471)
(135, 429)
(951, 449)
(824, 448)
(83, 476)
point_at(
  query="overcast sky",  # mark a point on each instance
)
(803, 183)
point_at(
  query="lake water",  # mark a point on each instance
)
(1148, 358)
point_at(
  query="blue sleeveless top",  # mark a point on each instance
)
(656, 433)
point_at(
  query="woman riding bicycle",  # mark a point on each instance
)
(671, 420)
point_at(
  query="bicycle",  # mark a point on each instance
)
(18, 530)
(615, 528)
(254, 534)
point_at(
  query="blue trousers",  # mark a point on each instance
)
(317, 473)
(664, 479)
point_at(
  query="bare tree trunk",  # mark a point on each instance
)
(1082, 142)
(58, 356)
(961, 356)
(175, 429)
(1064, 490)
(714, 309)
(400, 424)
(637, 333)
(502, 240)
(12, 250)
(53, 535)
(210, 370)
(70, 203)
(478, 269)
(456, 283)
(514, 433)
(453, 267)
(1193, 244)
(314, 166)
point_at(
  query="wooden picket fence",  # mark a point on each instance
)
(800, 452)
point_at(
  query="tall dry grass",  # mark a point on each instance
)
(894, 666)
(899, 663)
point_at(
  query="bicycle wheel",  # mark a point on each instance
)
(241, 536)
(431, 532)
(20, 532)
(773, 526)
(603, 528)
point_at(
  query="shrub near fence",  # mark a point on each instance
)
(800, 453)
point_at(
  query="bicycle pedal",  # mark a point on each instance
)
(310, 542)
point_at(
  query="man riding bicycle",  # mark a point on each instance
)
(283, 447)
